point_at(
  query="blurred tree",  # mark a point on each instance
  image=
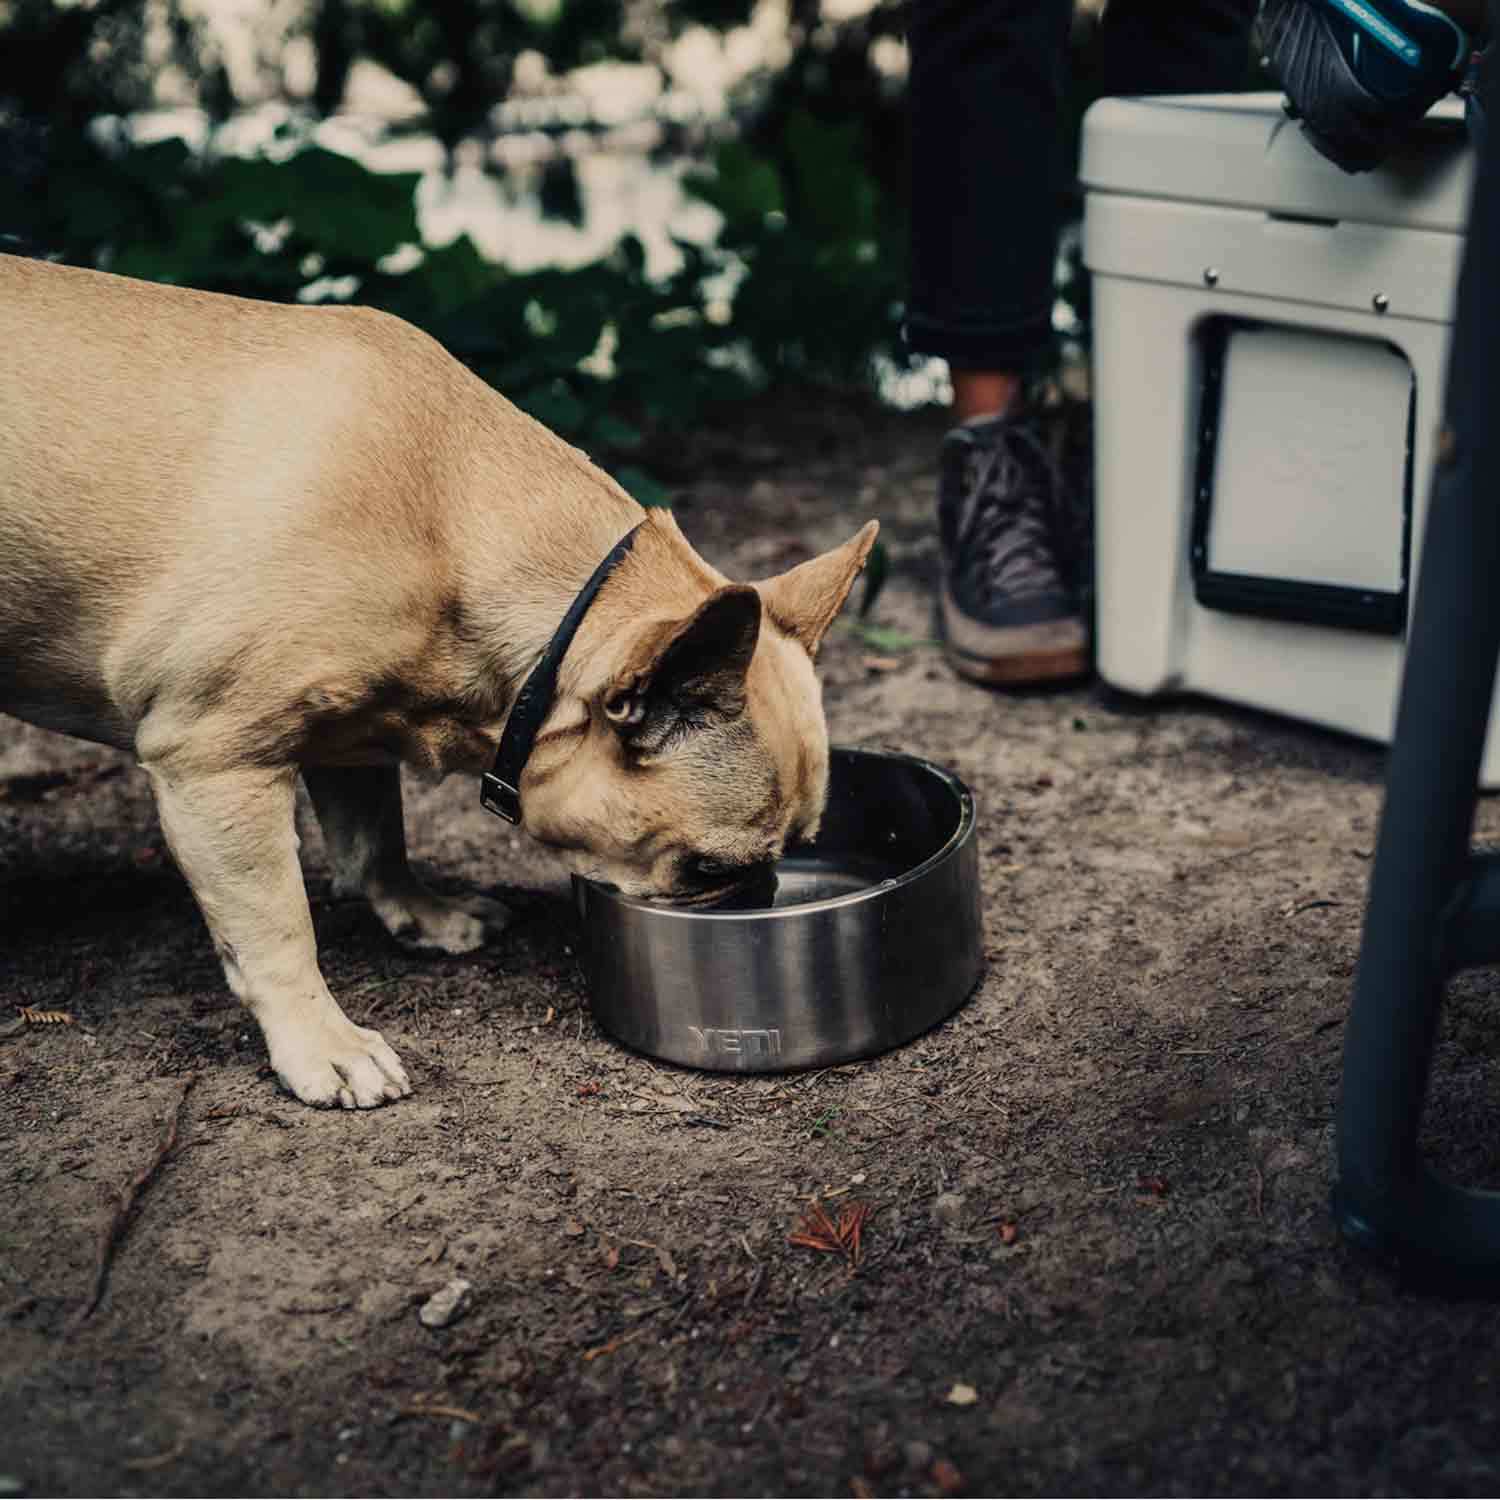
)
(805, 281)
(459, 55)
(65, 63)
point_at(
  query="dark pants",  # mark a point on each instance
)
(987, 93)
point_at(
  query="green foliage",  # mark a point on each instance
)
(318, 226)
(824, 271)
(804, 281)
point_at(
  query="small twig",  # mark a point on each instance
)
(157, 1461)
(1313, 906)
(114, 1227)
(590, 1355)
(812, 1078)
(656, 1307)
(755, 1281)
(453, 1413)
(396, 1213)
(1258, 1197)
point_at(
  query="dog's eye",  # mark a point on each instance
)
(621, 708)
(703, 867)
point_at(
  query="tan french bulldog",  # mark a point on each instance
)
(246, 541)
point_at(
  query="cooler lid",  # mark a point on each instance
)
(1242, 151)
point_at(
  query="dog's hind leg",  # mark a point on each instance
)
(233, 834)
(359, 811)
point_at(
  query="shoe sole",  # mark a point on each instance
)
(1023, 669)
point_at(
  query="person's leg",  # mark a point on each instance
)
(983, 393)
(986, 93)
(981, 281)
(1173, 47)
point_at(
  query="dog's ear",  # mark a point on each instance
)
(804, 601)
(685, 671)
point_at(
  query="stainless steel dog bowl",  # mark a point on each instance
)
(873, 937)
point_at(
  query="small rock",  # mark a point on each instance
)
(947, 1477)
(1286, 1157)
(917, 1453)
(444, 1306)
(949, 1208)
(961, 1394)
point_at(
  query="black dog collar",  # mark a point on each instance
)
(500, 788)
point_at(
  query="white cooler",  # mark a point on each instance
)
(1270, 344)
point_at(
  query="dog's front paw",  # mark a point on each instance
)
(334, 1063)
(425, 922)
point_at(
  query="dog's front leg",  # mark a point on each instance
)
(359, 811)
(233, 834)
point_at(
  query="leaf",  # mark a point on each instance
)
(743, 186)
(339, 207)
(614, 433)
(886, 640)
(946, 1476)
(555, 406)
(836, 197)
(877, 570)
(453, 276)
(818, 1231)
(643, 487)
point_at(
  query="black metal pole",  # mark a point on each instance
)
(1386, 1199)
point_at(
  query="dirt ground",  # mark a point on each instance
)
(1100, 1258)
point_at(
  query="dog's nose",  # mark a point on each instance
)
(754, 886)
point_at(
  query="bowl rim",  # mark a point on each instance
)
(967, 820)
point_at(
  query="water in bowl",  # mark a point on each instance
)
(803, 878)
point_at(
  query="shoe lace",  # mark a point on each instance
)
(1006, 531)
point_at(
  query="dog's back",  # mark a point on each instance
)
(155, 440)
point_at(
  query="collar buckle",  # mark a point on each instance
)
(500, 797)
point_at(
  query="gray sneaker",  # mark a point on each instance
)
(1008, 613)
